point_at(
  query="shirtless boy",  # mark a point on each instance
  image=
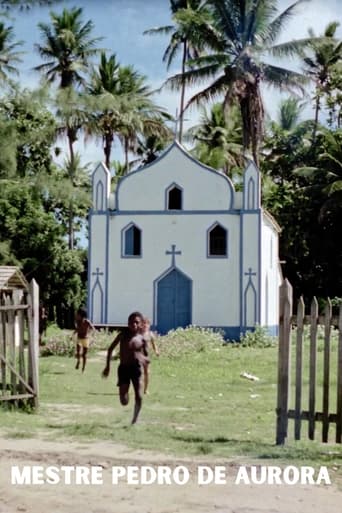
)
(83, 329)
(132, 361)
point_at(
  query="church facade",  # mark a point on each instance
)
(178, 243)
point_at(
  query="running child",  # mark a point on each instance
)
(83, 328)
(132, 361)
(149, 339)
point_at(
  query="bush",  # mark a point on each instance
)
(61, 343)
(257, 338)
(188, 340)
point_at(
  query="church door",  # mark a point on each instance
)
(173, 301)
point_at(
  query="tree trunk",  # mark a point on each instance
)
(182, 99)
(126, 154)
(71, 140)
(317, 109)
(108, 149)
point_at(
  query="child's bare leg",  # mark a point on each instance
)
(123, 392)
(137, 384)
(146, 378)
(78, 356)
(84, 358)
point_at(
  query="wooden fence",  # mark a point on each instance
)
(19, 345)
(323, 383)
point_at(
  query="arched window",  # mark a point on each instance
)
(132, 241)
(174, 198)
(217, 241)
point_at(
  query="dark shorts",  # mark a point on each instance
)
(128, 373)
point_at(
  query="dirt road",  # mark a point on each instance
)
(142, 498)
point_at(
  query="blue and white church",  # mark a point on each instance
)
(177, 242)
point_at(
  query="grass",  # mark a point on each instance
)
(198, 404)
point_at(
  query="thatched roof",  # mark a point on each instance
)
(12, 278)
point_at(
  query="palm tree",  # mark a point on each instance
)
(326, 176)
(8, 53)
(218, 139)
(289, 113)
(67, 47)
(122, 106)
(190, 19)
(246, 33)
(327, 53)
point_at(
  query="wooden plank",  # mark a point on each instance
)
(326, 370)
(3, 350)
(307, 320)
(305, 415)
(11, 344)
(12, 369)
(15, 397)
(33, 372)
(339, 383)
(284, 361)
(21, 348)
(299, 365)
(313, 364)
(9, 308)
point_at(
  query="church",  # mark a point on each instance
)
(177, 242)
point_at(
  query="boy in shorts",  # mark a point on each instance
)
(83, 329)
(149, 339)
(132, 361)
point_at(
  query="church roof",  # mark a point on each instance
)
(12, 278)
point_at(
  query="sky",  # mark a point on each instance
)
(122, 22)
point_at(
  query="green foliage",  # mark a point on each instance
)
(59, 345)
(257, 338)
(192, 339)
(31, 133)
(62, 342)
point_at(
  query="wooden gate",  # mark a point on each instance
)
(315, 390)
(19, 345)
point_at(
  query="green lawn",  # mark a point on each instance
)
(198, 405)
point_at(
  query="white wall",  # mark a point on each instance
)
(204, 189)
(215, 280)
(270, 277)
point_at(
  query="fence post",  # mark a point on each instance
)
(312, 369)
(326, 370)
(33, 322)
(339, 382)
(299, 366)
(284, 361)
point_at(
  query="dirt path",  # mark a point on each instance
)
(137, 498)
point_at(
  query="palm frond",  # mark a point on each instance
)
(192, 77)
(284, 79)
(278, 24)
(216, 90)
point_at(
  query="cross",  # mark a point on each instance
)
(97, 273)
(250, 273)
(173, 252)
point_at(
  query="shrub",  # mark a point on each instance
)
(60, 343)
(257, 338)
(188, 340)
